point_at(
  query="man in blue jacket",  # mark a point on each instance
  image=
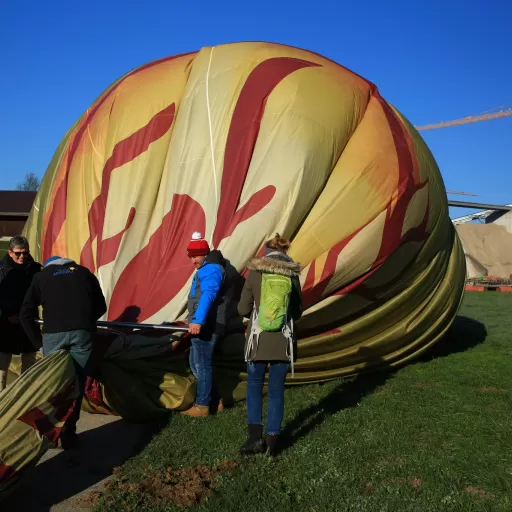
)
(207, 310)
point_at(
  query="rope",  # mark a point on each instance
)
(211, 133)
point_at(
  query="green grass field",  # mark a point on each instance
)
(433, 436)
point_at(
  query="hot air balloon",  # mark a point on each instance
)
(238, 142)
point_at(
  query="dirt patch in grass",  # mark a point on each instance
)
(415, 482)
(479, 493)
(182, 487)
(412, 481)
(369, 487)
(492, 390)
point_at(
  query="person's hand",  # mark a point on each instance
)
(194, 328)
(13, 319)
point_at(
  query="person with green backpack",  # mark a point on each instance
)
(272, 299)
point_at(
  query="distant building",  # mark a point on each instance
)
(501, 219)
(487, 241)
(15, 207)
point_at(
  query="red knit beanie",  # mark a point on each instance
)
(198, 246)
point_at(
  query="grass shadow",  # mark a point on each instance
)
(464, 334)
(345, 395)
(63, 475)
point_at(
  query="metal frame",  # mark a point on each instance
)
(482, 206)
(130, 325)
(481, 215)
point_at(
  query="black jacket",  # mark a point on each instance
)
(229, 295)
(15, 280)
(223, 309)
(71, 298)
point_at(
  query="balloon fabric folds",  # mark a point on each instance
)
(33, 410)
(241, 141)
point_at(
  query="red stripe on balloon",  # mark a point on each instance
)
(312, 292)
(160, 270)
(332, 331)
(371, 86)
(243, 132)
(59, 207)
(256, 203)
(124, 152)
(46, 424)
(357, 282)
(6, 472)
(392, 236)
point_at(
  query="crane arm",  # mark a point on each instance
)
(466, 120)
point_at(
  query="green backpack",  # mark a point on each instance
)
(274, 302)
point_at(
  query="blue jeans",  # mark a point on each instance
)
(255, 380)
(79, 345)
(200, 359)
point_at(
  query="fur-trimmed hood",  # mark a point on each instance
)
(275, 263)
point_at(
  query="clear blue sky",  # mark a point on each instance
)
(434, 60)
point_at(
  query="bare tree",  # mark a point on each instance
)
(30, 183)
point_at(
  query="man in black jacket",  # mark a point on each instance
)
(72, 302)
(17, 270)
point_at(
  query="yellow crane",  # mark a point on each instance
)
(460, 193)
(485, 116)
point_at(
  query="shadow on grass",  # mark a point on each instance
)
(464, 333)
(66, 474)
(345, 395)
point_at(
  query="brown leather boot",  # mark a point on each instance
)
(197, 411)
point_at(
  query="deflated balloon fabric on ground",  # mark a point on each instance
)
(33, 410)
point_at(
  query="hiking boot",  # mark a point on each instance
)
(254, 443)
(271, 443)
(197, 411)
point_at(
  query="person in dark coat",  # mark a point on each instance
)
(16, 272)
(72, 302)
(274, 350)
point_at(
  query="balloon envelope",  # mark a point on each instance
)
(241, 141)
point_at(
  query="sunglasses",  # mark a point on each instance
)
(19, 253)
